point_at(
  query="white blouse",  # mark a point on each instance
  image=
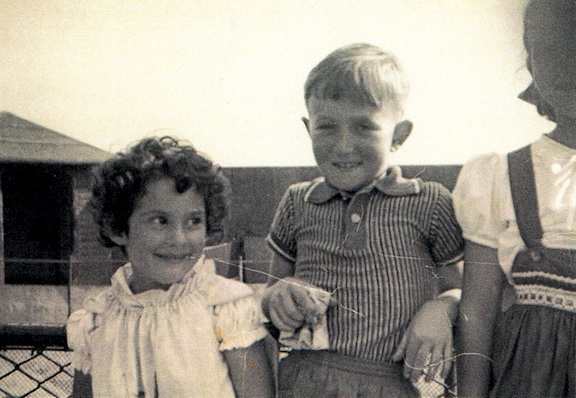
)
(483, 202)
(167, 343)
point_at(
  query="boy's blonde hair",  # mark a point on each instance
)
(361, 73)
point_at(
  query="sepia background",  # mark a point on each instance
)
(228, 74)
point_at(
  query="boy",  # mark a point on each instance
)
(353, 250)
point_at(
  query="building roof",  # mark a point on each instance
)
(22, 141)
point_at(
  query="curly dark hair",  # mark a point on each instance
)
(121, 181)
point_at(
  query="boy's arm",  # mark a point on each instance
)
(450, 278)
(481, 301)
(280, 267)
(250, 371)
(426, 346)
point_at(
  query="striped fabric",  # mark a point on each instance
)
(376, 251)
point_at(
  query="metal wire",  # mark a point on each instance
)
(36, 373)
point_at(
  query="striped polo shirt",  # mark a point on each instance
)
(376, 251)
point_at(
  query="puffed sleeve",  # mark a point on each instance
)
(238, 318)
(478, 197)
(78, 328)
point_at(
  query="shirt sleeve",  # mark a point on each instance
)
(238, 318)
(78, 328)
(446, 234)
(478, 197)
(282, 236)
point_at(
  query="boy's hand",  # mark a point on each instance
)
(426, 347)
(291, 302)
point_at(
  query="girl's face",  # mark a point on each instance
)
(167, 232)
(550, 32)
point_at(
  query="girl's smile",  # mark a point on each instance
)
(167, 231)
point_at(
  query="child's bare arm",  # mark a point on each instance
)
(450, 277)
(82, 387)
(427, 344)
(280, 267)
(251, 371)
(481, 301)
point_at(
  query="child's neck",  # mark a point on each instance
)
(350, 194)
(137, 286)
(565, 131)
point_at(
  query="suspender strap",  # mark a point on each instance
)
(524, 198)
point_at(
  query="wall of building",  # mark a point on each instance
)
(47, 304)
(255, 195)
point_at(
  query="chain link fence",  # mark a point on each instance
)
(35, 361)
(35, 373)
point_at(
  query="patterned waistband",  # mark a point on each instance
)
(546, 296)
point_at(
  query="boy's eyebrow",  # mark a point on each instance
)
(322, 119)
(162, 211)
(367, 119)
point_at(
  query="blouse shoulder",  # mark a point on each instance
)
(479, 194)
(227, 290)
(218, 290)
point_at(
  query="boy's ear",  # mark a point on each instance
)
(306, 123)
(402, 131)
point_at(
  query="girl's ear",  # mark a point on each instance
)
(402, 131)
(307, 124)
(119, 239)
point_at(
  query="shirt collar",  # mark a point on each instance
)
(391, 184)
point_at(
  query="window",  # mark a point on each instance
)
(38, 224)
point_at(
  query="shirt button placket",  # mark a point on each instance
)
(355, 234)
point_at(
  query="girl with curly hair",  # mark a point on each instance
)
(168, 326)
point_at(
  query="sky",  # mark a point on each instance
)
(228, 75)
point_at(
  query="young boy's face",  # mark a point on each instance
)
(167, 231)
(351, 142)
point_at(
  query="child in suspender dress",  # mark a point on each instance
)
(518, 216)
(534, 342)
